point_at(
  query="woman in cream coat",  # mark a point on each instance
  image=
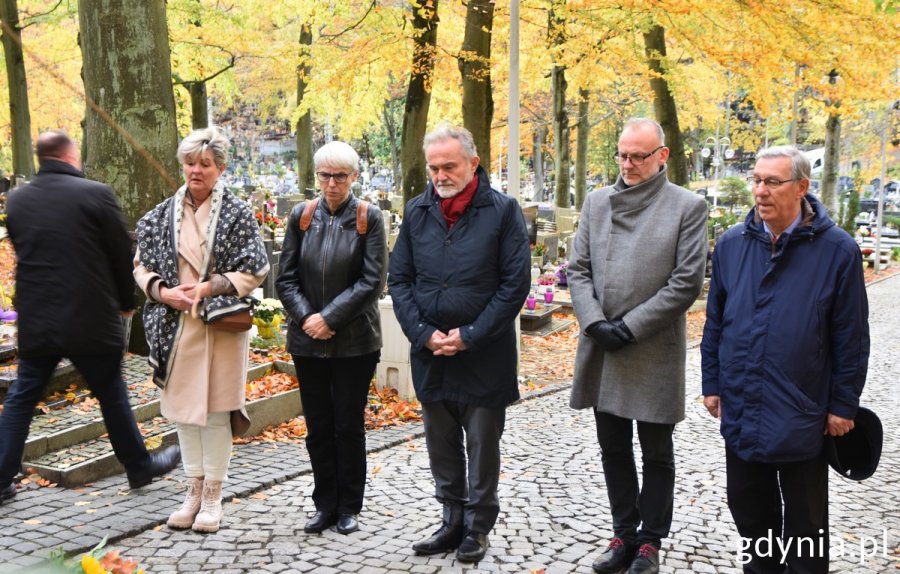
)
(203, 243)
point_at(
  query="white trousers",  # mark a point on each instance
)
(206, 451)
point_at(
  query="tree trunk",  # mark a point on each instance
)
(556, 26)
(664, 105)
(830, 161)
(305, 169)
(475, 68)
(199, 108)
(20, 117)
(581, 148)
(125, 53)
(418, 98)
(390, 126)
(540, 137)
(561, 136)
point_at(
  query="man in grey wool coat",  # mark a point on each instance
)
(638, 264)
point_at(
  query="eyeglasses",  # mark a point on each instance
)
(769, 182)
(636, 158)
(324, 176)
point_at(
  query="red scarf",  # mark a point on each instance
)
(453, 207)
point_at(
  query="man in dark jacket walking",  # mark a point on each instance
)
(458, 276)
(785, 352)
(73, 285)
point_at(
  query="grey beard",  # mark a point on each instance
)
(447, 192)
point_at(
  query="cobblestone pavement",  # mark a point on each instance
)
(554, 511)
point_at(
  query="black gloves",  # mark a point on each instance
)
(610, 335)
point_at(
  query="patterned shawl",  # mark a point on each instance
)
(236, 246)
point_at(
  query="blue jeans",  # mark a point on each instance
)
(103, 374)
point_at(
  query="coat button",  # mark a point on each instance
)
(445, 285)
(447, 242)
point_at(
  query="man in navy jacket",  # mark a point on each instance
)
(785, 351)
(458, 276)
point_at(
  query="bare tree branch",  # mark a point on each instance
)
(32, 18)
(345, 30)
(208, 78)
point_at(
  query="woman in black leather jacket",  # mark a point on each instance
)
(333, 267)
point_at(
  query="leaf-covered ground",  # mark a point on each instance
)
(384, 409)
(7, 262)
(548, 360)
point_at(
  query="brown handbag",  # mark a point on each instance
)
(236, 322)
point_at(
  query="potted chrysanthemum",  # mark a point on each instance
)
(267, 317)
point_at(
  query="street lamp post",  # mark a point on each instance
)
(720, 149)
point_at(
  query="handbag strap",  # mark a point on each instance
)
(195, 313)
(195, 306)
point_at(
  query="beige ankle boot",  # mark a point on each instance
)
(184, 516)
(210, 514)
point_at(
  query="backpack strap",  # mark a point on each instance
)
(362, 217)
(307, 215)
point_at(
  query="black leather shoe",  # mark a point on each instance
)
(445, 539)
(472, 547)
(646, 561)
(8, 492)
(320, 521)
(161, 462)
(615, 558)
(347, 523)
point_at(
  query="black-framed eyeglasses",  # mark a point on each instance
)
(324, 176)
(769, 182)
(636, 158)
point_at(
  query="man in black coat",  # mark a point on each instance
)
(73, 286)
(459, 274)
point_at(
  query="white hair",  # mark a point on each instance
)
(800, 168)
(450, 132)
(337, 154)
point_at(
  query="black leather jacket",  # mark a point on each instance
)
(332, 270)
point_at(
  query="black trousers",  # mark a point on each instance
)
(641, 515)
(103, 375)
(786, 502)
(457, 434)
(334, 392)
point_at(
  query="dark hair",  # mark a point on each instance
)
(53, 144)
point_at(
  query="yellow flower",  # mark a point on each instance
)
(91, 565)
